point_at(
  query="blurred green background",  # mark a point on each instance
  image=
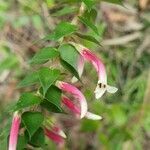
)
(125, 39)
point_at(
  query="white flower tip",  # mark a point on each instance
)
(98, 95)
(74, 80)
(101, 88)
(92, 116)
(16, 114)
(77, 46)
(111, 89)
(83, 108)
(61, 133)
(58, 83)
(82, 115)
(99, 92)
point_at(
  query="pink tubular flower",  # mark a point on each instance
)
(76, 93)
(76, 110)
(14, 131)
(56, 135)
(102, 85)
(59, 131)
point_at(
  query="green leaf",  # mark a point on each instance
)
(53, 95)
(48, 77)
(89, 3)
(88, 23)
(38, 139)
(88, 37)
(69, 57)
(44, 55)
(70, 68)
(69, 54)
(30, 79)
(27, 100)
(51, 107)
(32, 121)
(22, 141)
(61, 30)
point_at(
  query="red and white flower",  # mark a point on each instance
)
(14, 131)
(64, 86)
(76, 110)
(55, 134)
(102, 85)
